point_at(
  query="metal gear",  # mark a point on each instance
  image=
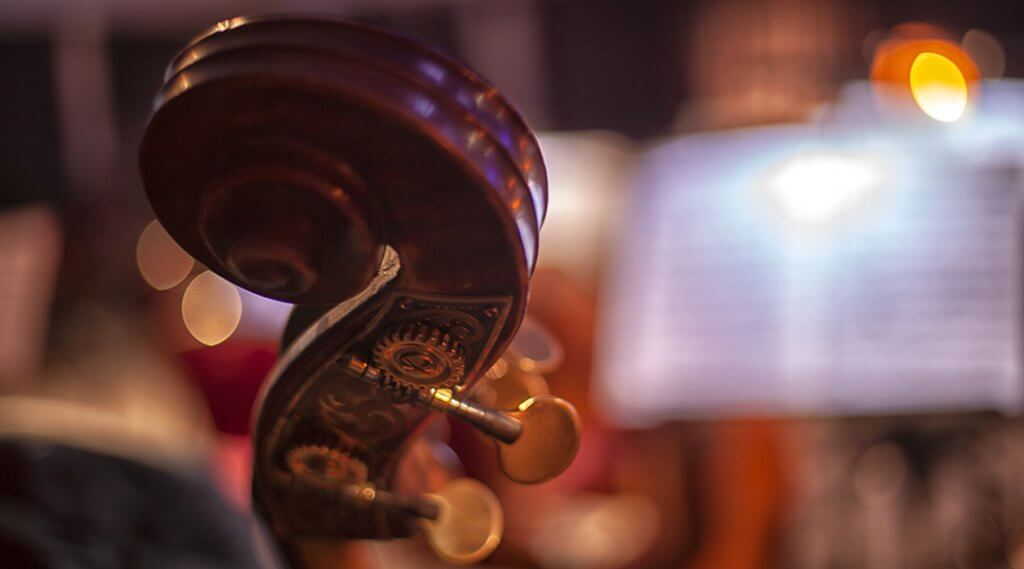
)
(416, 356)
(324, 466)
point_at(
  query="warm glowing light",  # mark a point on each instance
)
(938, 86)
(211, 308)
(815, 189)
(162, 263)
(918, 68)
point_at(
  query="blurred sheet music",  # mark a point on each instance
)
(718, 304)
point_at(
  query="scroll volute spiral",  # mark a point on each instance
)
(284, 154)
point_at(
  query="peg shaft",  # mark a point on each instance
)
(369, 495)
(493, 423)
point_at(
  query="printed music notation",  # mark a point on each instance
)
(718, 304)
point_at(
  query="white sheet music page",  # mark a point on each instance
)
(759, 273)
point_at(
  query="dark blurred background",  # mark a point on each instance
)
(80, 76)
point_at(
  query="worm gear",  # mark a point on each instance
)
(416, 356)
(324, 466)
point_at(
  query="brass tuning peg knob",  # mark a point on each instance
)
(463, 522)
(548, 443)
(469, 522)
(536, 441)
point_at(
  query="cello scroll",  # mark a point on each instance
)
(396, 199)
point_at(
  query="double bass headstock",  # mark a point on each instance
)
(396, 199)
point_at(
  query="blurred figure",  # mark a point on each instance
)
(940, 491)
(105, 450)
(30, 246)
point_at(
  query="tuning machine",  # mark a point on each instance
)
(550, 426)
(463, 521)
(536, 441)
(469, 521)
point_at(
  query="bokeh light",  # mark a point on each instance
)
(211, 308)
(162, 263)
(814, 189)
(938, 86)
(927, 72)
(986, 51)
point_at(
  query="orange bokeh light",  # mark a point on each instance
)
(944, 79)
(938, 86)
(895, 57)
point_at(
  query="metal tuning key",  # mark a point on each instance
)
(463, 521)
(536, 441)
(548, 444)
(469, 522)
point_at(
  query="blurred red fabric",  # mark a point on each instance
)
(230, 376)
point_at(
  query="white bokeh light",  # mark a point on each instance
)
(815, 189)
